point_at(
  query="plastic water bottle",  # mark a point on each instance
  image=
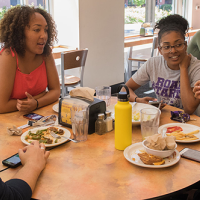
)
(123, 120)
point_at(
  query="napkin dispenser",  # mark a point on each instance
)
(95, 107)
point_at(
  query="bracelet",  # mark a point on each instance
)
(135, 98)
(37, 103)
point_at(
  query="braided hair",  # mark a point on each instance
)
(12, 28)
(172, 23)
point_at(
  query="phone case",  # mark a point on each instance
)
(190, 154)
(33, 116)
(13, 161)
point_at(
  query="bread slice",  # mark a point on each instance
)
(150, 159)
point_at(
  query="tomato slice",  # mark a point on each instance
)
(174, 128)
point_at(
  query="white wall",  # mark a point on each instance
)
(102, 32)
(195, 15)
(99, 26)
(66, 16)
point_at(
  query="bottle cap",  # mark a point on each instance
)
(123, 96)
(108, 113)
(101, 116)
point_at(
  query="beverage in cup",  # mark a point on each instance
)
(149, 119)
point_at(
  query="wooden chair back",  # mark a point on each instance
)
(70, 60)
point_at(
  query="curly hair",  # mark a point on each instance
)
(172, 23)
(12, 28)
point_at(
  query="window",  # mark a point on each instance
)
(138, 12)
(6, 4)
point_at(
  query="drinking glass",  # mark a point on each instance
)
(104, 93)
(80, 121)
(149, 119)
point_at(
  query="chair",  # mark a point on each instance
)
(70, 60)
(56, 51)
(143, 58)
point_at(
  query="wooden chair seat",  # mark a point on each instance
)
(140, 58)
(70, 80)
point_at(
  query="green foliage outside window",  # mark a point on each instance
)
(2, 12)
(167, 7)
(137, 14)
(139, 2)
(4, 9)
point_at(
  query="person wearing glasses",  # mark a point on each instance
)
(174, 73)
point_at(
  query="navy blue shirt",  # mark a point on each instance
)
(15, 189)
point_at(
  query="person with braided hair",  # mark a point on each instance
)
(174, 73)
(28, 75)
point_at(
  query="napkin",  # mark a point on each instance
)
(14, 131)
(158, 142)
(84, 92)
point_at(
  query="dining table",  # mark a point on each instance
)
(94, 169)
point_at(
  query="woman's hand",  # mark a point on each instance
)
(27, 105)
(145, 99)
(34, 155)
(196, 90)
(185, 63)
(162, 105)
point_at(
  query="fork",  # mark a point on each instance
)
(58, 136)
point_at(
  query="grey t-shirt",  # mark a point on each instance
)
(165, 81)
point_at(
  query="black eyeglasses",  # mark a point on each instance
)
(168, 48)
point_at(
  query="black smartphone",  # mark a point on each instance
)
(190, 154)
(13, 161)
(155, 103)
(33, 116)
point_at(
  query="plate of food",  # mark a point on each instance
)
(56, 107)
(136, 107)
(42, 134)
(184, 133)
(135, 153)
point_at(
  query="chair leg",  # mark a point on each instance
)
(66, 91)
(138, 64)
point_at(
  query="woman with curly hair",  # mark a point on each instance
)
(28, 75)
(174, 73)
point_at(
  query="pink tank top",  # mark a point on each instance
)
(33, 83)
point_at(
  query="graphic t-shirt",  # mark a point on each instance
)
(165, 81)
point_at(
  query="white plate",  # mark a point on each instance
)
(132, 151)
(186, 129)
(136, 107)
(62, 140)
(56, 107)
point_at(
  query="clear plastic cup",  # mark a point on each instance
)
(80, 121)
(104, 93)
(149, 119)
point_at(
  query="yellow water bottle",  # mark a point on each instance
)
(123, 120)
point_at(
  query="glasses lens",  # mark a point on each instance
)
(178, 47)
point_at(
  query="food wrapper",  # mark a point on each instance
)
(14, 131)
(180, 116)
(83, 92)
(158, 142)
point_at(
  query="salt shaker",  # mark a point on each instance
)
(100, 125)
(108, 121)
